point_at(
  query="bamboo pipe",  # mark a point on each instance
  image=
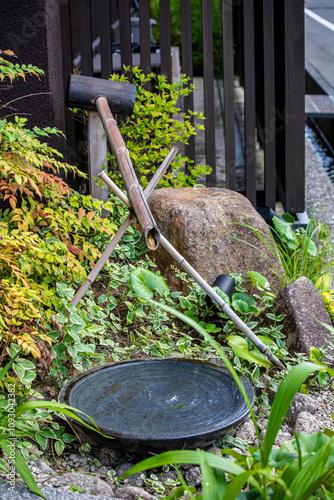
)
(138, 201)
(121, 231)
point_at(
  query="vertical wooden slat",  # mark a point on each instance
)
(208, 74)
(228, 67)
(249, 88)
(114, 12)
(238, 39)
(145, 42)
(105, 37)
(66, 40)
(85, 37)
(294, 106)
(279, 69)
(165, 43)
(65, 14)
(125, 33)
(269, 104)
(187, 68)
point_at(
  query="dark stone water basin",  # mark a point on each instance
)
(158, 404)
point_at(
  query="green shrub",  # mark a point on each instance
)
(152, 129)
(48, 232)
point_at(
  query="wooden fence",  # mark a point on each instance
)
(262, 44)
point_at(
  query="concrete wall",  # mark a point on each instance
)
(32, 29)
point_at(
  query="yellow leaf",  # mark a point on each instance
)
(326, 297)
(323, 282)
(18, 178)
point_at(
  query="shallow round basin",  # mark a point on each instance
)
(158, 404)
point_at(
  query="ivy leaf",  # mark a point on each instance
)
(59, 447)
(64, 290)
(240, 349)
(75, 319)
(222, 295)
(75, 330)
(258, 280)
(143, 282)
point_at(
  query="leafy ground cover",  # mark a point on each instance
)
(50, 237)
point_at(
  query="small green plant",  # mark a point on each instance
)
(13, 71)
(302, 469)
(152, 129)
(304, 252)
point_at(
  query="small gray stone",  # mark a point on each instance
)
(247, 431)
(103, 471)
(306, 423)
(90, 484)
(77, 458)
(281, 436)
(262, 423)
(300, 403)
(132, 493)
(134, 479)
(171, 474)
(193, 476)
(42, 466)
(122, 468)
(109, 456)
(186, 466)
(82, 469)
(215, 451)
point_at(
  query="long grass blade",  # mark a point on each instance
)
(61, 408)
(9, 364)
(189, 457)
(22, 469)
(282, 401)
(184, 457)
(213, 480)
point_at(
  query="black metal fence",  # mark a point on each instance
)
(262, 44)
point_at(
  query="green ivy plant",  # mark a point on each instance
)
(152, 129)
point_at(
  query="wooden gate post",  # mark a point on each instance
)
(97, 156)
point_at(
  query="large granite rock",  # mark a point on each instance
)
(304, 308)
(203, 224)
